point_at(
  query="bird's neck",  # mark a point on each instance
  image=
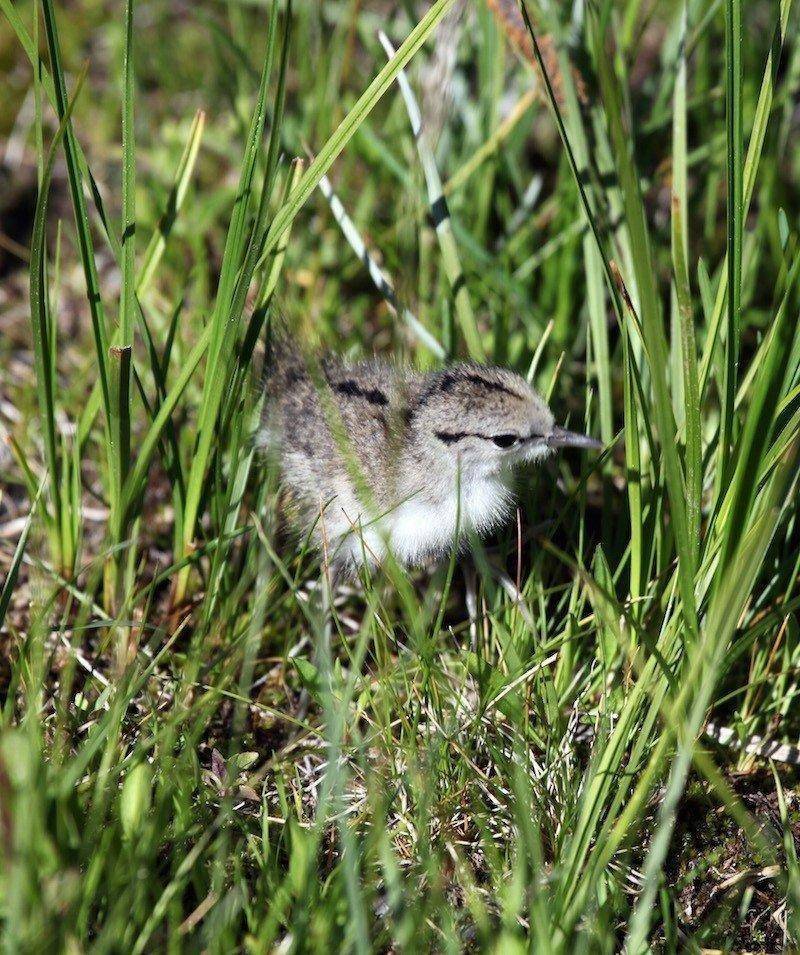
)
(476, 499)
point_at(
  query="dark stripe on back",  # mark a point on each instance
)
(353, 390)
(451, 378)
(447, 380)
(492, 385)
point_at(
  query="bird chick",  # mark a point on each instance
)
(378, 458)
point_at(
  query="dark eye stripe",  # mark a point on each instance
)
(452, 437)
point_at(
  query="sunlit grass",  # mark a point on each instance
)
(194, 753)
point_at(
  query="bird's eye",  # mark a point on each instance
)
(505, 440)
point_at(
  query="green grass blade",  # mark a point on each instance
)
(708, 656)
(158, 240)
(236, 486)
(683, 296)
(691, 388)
(576, 161)
(44, 330)
(653, 332)
(7, 590)
(79, 204)
(354, 118)
(758, 424)
(440, 215)
(598, 321)
(751, 164)
(633, 458)
(121, 354)
(220, 329)
(155, 251)
(135, 482)
(276, 266)
(126, 308)
(735, 141)
(38, 70)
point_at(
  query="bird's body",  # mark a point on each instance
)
(378, 457)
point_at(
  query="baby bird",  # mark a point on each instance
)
(381, 458)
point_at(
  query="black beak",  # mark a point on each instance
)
(561, 438)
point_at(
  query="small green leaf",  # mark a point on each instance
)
(309, 677)
(783, 227)
(135, 799)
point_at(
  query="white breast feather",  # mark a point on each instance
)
(421, 527)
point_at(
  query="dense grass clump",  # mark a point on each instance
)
(587, 745)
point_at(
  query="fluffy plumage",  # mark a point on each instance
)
(376, 456)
